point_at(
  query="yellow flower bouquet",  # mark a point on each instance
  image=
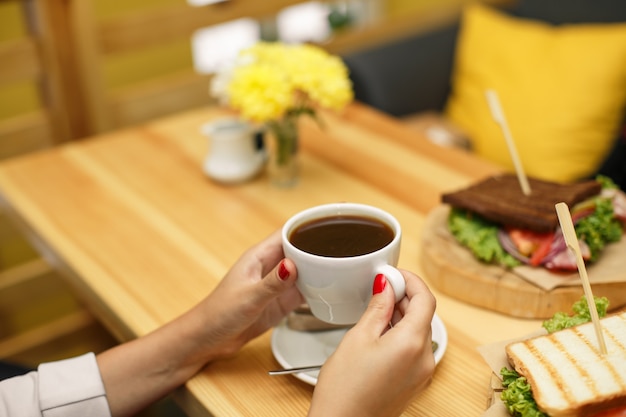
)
(274, 83)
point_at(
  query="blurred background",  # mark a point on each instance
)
(76, 68)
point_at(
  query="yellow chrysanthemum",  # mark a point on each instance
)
(259, 92)
(272, 79)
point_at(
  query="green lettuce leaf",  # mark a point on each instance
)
(517, 396)
(480, 236)
(600, 228)
(581, 314)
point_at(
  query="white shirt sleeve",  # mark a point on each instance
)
(67, 388)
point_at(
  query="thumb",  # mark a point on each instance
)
(380, 308)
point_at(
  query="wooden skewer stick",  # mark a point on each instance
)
(565, 219)
(498, 117)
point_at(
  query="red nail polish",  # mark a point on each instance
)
(380, 282)
(283, 272)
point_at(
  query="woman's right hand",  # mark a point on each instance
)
(377, 370)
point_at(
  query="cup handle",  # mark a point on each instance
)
(395, 278)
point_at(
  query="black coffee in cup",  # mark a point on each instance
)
(341, 236)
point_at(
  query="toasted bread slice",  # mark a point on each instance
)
(567, 373)
(501, 200)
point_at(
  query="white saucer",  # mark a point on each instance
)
(293, 348)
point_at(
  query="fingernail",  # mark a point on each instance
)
(283, 272)
(380, 282)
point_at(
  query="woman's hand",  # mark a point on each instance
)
(377, 370)
(257, 292)
(255, 295)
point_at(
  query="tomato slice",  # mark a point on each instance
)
(613, 412)
(532, 244)
(542, 249)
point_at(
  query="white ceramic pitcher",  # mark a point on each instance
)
(235, 152)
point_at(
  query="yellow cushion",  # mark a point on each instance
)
(562, 91)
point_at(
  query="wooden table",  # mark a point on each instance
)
(142, 235)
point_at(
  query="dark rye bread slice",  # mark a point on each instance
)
(501, 200)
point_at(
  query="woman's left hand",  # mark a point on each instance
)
(257, 292)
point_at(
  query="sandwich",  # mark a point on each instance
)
(564, 373)
(501, 225)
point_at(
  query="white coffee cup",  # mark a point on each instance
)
(338, 289)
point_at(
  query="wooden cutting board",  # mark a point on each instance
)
(453, 270)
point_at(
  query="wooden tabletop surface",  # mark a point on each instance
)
(143, 234)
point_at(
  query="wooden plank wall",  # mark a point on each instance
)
(40, 319)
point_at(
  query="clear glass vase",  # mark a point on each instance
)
(283, 164)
